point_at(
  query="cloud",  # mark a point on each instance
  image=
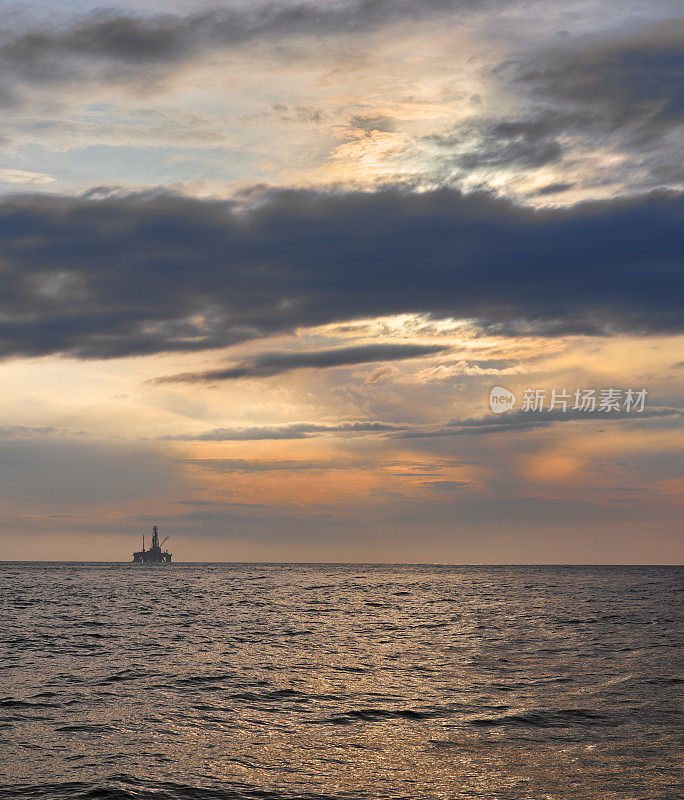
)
(23, 176)
(136, 274)
(114, 47)
(621, 91)
(382, 374)
(276, 363)
(521, 143)
(370, 123)
(490, 423)
(244, 465)
(630, 81)
(532, 420)
(595, 109)
(293, 430)
(229, 503)
(446, 488)
(25, 431)
(617, 92)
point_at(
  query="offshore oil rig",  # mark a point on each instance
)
(154, 555)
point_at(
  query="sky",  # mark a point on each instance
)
(262, 265)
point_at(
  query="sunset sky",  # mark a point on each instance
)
(261, 264)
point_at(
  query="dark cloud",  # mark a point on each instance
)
(631, 81)
(276, 363)
(370, 123)
(25, 431)
(551, 188)
(293, 430)
(520, 143)
(620, 92)
(130, 275)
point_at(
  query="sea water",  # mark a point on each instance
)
(338, 681)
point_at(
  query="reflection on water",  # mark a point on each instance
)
(340, 681)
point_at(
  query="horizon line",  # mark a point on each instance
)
(363, 563)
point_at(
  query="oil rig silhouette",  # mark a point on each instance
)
(154, 555)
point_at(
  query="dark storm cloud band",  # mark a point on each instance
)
(278, 362)
(151, 273)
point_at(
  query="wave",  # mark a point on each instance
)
(127, 787)
(556, 718)
(383, 715)
(26, 704)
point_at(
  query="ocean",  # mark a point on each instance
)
(319, 681)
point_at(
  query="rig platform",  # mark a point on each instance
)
(154, 555)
